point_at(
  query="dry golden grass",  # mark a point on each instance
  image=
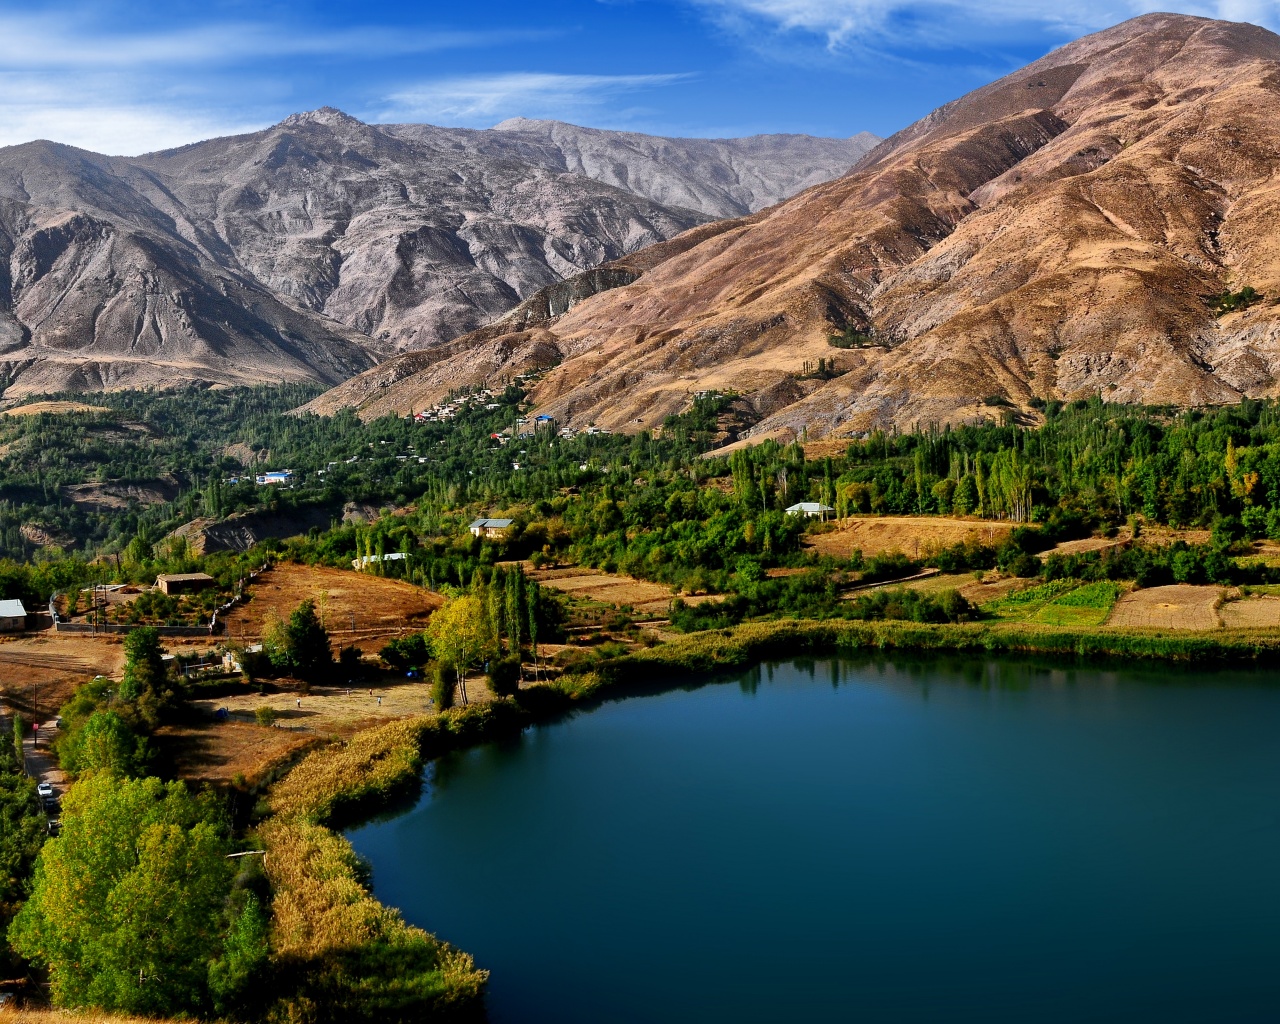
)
(329, 709)
(69, 1017)
(34, 408)
(1177, 607)
(977, 592)
(374, 604)
(912, 535)
(216, 752)
(1255, 612)
(371, 761)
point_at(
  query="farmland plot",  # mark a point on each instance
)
(1181, 606)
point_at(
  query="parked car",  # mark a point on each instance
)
(44, 790)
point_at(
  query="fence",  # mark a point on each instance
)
(213, 629)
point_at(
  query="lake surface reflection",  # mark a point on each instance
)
(875, 841)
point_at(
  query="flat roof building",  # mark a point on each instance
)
(184, 582)
(490, 527)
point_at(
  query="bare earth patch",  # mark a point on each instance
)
(911, 535)
(1255, 612)
(372, 606)
(976, 592)
(1077, 547)
(216, 752)
(46, 669)
(1177, 607)
(335, 709)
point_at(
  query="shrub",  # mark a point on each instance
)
(265, 716)
(504, 676)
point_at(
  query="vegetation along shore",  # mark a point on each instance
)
(394, 590)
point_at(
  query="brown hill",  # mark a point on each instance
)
(1058, 233)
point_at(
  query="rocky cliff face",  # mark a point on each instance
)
(1059, 233)
(316, 248)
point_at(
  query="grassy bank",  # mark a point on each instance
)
(341, 953)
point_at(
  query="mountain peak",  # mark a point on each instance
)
(332, 117)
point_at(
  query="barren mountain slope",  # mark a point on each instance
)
(1054, 234)
(313, 248)
(99, 289)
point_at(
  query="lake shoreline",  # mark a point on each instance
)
(345, 784)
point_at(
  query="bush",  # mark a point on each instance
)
(266, 716)
(504, 676)
(898, 603)
(442, 683)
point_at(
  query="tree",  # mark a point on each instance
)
(309, 648)
(460, 633)
(146, 682)
(301, 645)
(126, 904)
(104, 742)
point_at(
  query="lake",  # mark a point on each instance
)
(876, 841)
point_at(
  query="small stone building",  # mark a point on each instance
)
(184, 582)
(13, 617)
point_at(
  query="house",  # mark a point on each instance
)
(809, 509)
(279, 476)
(490, 527)
(13, 617)
(184, 582)
(390, 556)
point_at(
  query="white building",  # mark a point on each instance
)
(810, 509)
(13, 617)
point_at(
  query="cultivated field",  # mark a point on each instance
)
(1177, 607)
(47, 668)
(374, 606)
(216, 752)
(608, 588)
(977, 592)
(911, 535)
(1258, 611)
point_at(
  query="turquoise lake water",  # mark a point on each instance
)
(877, 841)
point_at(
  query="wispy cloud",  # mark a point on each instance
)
(44, 42)
(474, 100)
(102, 114)
(947, 24)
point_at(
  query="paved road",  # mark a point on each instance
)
(40, 762)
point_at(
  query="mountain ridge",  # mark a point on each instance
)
(315, 248)
(1055, 234)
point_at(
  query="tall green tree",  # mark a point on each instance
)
(126, 908)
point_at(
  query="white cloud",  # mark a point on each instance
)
(947, 23)
(486, 99)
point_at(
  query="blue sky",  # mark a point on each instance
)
(131, 77)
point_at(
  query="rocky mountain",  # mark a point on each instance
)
(317, 247)
(1090, 224)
